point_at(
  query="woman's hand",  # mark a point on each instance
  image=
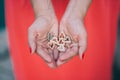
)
(38, 38)
(76, 30)
(45, 23)
(72, 24)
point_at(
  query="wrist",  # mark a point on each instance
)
(77, 9)
(43, 8)
(71, 17)
(47, 18)
(49, 13)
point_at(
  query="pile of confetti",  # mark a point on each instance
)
(61, 42)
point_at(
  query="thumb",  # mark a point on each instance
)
(31, 40)
(81, 52)
(82, 47)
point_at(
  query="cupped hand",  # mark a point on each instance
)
(38, 38)
(73, 27)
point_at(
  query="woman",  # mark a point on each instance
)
(98, 35)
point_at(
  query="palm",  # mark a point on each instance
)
(76, 30)
(37, 36)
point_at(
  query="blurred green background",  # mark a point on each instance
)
(2, 19)
(6, 71)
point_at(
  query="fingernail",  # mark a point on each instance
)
(83, 56)
(30, 50)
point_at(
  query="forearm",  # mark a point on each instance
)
(77, 8)
(43, 8)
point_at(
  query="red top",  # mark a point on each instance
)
(101, 25)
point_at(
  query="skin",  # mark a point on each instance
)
(72, 24)
(45, 22)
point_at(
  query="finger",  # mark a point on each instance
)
(60, 62)
(52, 64)
(65, 57)
(46, 52)
(41, 52)
(81, 52)
(69, 53)
(31, 40)
(82, 47)
(55, 54)
(50, 52)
